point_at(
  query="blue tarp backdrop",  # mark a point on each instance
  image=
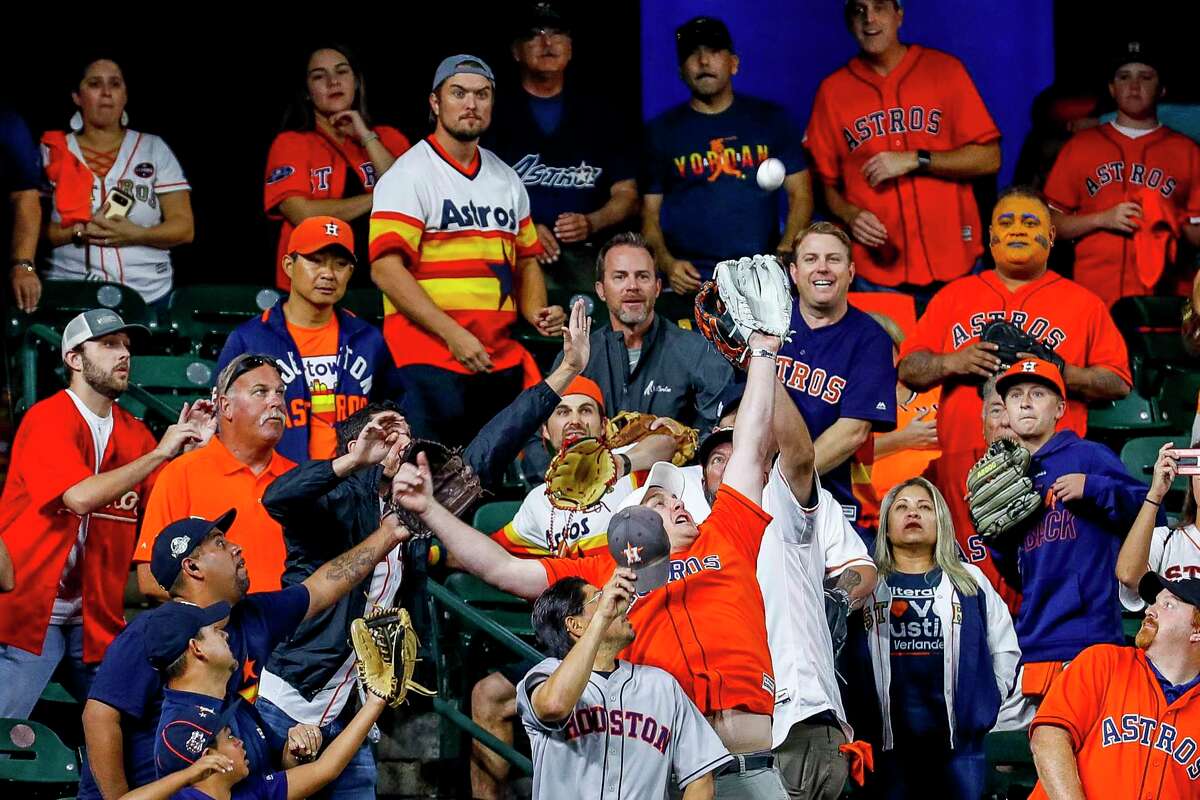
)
(787, 47)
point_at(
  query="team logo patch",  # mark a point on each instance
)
(768, 683)
(280, 173)
(195, 743)
(144, 170)
(179, 545)
(331, 229)
(633, 555)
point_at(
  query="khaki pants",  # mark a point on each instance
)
(812, 766)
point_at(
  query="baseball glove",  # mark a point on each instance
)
(386, 647)
(1011, 340)
(581, 474)
(1000, 495)
(747, 295)
(837, 613)
(630, 427)
(455, 484)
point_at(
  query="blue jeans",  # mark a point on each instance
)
(926, 769)
(357, 781)
(23, 676)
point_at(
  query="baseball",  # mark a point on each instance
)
(771, 174)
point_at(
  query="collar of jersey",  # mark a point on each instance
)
(469, 171)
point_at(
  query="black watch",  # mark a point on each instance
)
(924, 161)
(77, 237)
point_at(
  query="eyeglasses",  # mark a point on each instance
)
(247, 363)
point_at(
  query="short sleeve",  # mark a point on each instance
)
(168, 502)
(696, 750)
(168, 174)
(525, 689)
(788, 147)
(22, 168)
(596, 569)
(520, 535)
(125, 680)
(1075, 700)
(1062, 189)
(930, 333)
(398, 216)
(395, 141)
(739, 519)
(843, 547)
(821, 140)
(287, 171)
(268, 786)
(870, 391)
(280, 613)
(528, 244)
(973, 124)
(47, 455)
(1106, 346)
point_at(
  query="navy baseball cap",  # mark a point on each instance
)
(707, 32)
(175, 623)
(718, 437)
(542, 15)
(462, 64)
(189, 725)
(1187, 589)
(179, 540)
(638, 540)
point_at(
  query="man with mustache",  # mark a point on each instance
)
(702, 203)
(233, 469)
(1124, 721)
(80, 471)
(572, 152)
(453, 249)
(332, 362)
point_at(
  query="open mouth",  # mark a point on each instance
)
(822, 283)
(682, 519)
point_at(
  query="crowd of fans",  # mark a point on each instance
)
(862, 628)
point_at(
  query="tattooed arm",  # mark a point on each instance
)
(334, 579)
(857, 582)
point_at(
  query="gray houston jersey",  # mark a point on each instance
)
(628, 733)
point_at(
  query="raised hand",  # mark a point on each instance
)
(577, 338)
(412, 488)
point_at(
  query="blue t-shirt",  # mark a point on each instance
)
(272, 786)
(20, 161)
(842, 370)
(127, 682)
(918, 674)
(263, 746)
(704, 166)
(547, 112)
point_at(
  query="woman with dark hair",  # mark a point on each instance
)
(1171, 551)
(120, 198)
(940, 650)
(328, 157)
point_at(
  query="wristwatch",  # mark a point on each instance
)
(924, 161)
(24, 264)
(77, 237)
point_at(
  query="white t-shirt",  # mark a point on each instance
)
(145, 168)
(802, 547)
(1174, 554)
(68, 604)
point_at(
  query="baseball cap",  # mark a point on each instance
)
(1032, 369)
(707, 32)
(539, 16)
(464, 64)
(588, 388)
(1187, 589)
(1135, 52)
(189, 724)
(179, 540)
(718, 437)
(94, 324)
(638, 540)
(172, 625)
(316, 233)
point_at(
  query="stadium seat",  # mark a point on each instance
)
(508, 610)
(1138, 455)
(365, 303)
(1010, 750)
(63, 300)
(203, 316)
(34, 761)
(1177, 398)
(491, 517)
(680, 309)
(1132, 413)
(1151, 327)
(174, 380)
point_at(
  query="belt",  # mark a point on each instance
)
(742, 764)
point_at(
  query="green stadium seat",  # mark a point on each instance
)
(1177, 398)
(203, 316)
(33, 758)
(1132, 413)
(174, 380)
(509, 610)
(63, 300)
(491, 517)
(1138, 455)
(366, 303)
(1151, 327)
(1009, 750)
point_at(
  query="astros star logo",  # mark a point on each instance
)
(504, 274)
(632, 554)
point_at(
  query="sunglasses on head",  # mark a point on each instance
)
(244, 365)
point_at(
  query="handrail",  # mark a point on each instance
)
(492, 628)
(502, 749)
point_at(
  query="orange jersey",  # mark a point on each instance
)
(318, 352)
(891, 469)
(707, 627)
(928, 102)
(461, 230)
(312, 164)
(1101, 167)
(1128, 741)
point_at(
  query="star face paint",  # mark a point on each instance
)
(1021, 233)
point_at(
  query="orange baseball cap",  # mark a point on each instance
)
(316, 233)
(588, 388)
(1032, 369)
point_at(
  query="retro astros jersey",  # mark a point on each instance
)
(927, 102)
(1101, 167)
(707, 627)
(1128, 740)
(461, 229)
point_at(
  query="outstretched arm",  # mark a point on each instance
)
(308, 779)
(752, 435)
(166, 787)
(333, 580)
(797, 456)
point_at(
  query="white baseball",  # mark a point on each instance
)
(771, 174)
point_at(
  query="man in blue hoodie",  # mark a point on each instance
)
(332, 362)
(1065, 557)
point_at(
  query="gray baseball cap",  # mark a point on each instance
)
(94, 324)
(638, 540)
(462, 63)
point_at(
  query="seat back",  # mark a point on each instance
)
(491, 517)
(1138, 455)
(1177, 398)
(366, 303)
(205, 315)
(33, 754)
(61, 301)
(1133, 412)
(1151, 327)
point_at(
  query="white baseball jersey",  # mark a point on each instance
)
(1174, 554)
(802, 547)
(540, 530)
(628, 733)
(144, 169)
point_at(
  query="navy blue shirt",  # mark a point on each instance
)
(127, 682)
(571, 167)
(918, 672)
(20, 161)
(1172, 691)
(841, 370)
(264, 748)
(704, 166)
(252, 787)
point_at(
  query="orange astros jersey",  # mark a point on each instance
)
(1128, 741)
(461, 229)
(928, 102)
(1101, 167)
(707, 627)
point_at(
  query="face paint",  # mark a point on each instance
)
(1021, 234)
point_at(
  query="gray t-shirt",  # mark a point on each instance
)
(629, 732)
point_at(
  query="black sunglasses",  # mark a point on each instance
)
(247, 364)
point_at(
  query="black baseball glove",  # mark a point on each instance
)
(1011, 340)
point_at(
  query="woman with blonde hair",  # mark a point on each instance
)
(939, 647)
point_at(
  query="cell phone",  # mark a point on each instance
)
(118, 205)
(1188, 460)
